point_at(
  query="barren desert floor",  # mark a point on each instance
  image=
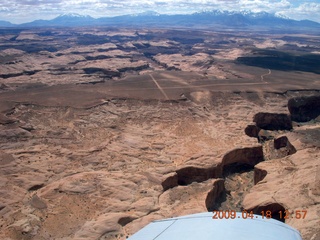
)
(104, 130)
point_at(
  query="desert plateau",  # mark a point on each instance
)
(105, 129)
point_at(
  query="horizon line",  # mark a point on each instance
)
(161, 14)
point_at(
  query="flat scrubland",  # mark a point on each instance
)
(104, 130)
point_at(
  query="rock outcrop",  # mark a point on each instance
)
(170, 181)
(290, 183)
(278, 148)
(304, 109)
(283, 142)
(252, 131)
(249, 156)
(109, 167)
(259, 174)
(273, 121)
(212, 200)
(188, 175)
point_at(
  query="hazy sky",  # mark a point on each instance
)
(18, 11)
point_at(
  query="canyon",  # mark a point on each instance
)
(102, 135)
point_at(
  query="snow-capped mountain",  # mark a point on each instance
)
(247, 18)
(215, 18)
(76, 15)
(245, 13)
(146, 13)
(280, 15)
(73, 16)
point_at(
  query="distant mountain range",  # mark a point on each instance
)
(232, 19)
(6, 24)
